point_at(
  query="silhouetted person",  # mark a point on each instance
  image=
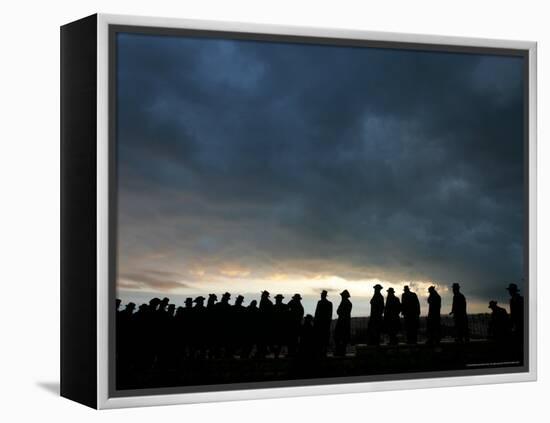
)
(198, 328)
(516, 312)
(307, 338)
(251, 328)
(459, 314)
(410, 307)
(296, 314)
(152, 336)
(280, 324)
(265, 333)
(163, 327)
(433, 321)
(392, 310)
(211, 326)
(321, 323)
(376, 316)
(238, 325)
(223, 326)
(125, 335)
(342, 331)
(499, 325)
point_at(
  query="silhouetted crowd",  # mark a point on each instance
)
(161, 334)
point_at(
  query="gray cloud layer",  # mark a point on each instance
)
(370, 162)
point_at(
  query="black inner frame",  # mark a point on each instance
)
(113, 30)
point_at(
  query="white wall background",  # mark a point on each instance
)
(29, 232)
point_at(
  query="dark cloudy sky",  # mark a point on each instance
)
(248, 165)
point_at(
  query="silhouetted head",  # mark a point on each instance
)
(239, 300)
(189, 302)
(345, 294)
(378, 287)
(171, 309)
(431, 289)
(199, 300)
(456, 288)
(324, 293)
(308, 320)
(253, 304)
(390, 291)
(153, 304)
(226, 297)
(406, 288)
(492, 304)
(512, 288)
(118, 303)
(279, 298)
(297, 297)
(130, 307)
(265, 294)
(143, 307)
(164, 303)
(212, 298)
(179, 311)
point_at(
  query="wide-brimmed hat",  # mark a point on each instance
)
(492, 303)
(265, 293)
(378, 286)
(199, 299)
(390, 289)
(296, 297)
(345, 293)
(239, 297)
(226, 295)
(213, 296)
(406, 287)
(512, 288)
(279, 296)
(188, 300)
(324, 291)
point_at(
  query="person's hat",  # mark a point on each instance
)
(154, 300)
(456, 285)
(266, 293)
(226, 295)
(199, 299)
(165, 300)
(240, 297)
(345, 293)
(130, 306)
(188, 300)
(512, 288)
(279, 296)
(324, 292)
(431, 288)
(378, 286)
(296, 297)
(406, 287)
(213, 296)
(492, 304)
(390, 290)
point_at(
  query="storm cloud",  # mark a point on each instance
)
(247, 160)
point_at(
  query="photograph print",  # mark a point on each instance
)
(295, 211)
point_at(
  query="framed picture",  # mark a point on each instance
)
(254, 211)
